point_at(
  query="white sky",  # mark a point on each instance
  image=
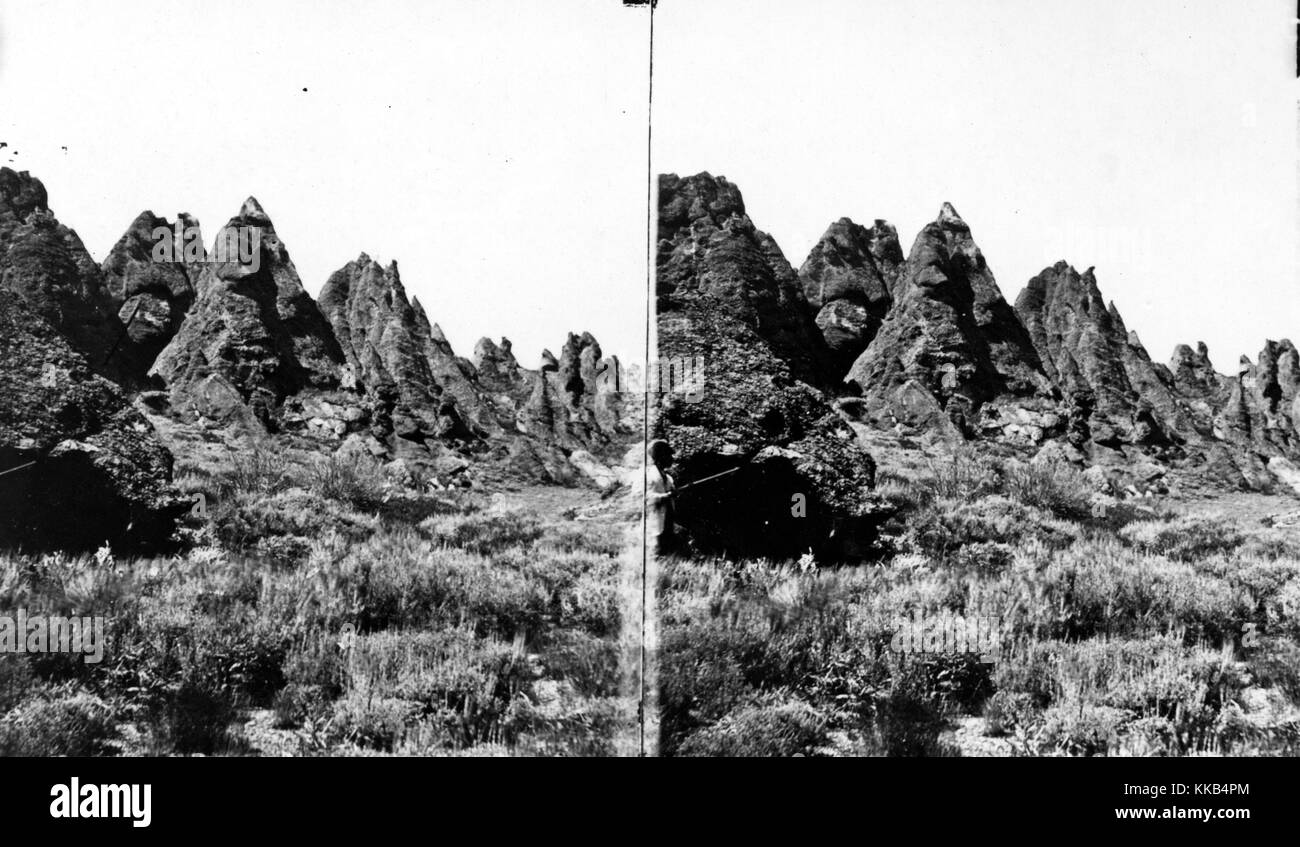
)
(1154, 139)
(495, 149)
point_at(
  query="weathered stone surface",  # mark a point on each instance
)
(252, 324)
(848, 278)
(709, 248)
(949, 332)
(376, 328)
(455, 374)
(97, 472)
(1259, 404)
(45, 263)
(1197, 384)
(1086, 349)
(497, 368)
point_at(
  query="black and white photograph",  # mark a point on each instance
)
(436, 379)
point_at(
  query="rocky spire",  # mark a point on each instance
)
(45, 264)
(710, 250)
(253, 327)
(950, 334)
(1086, 348)
(376, 328)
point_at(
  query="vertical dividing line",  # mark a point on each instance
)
(645, 408)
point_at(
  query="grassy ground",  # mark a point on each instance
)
(326, 607)
(1124, 628)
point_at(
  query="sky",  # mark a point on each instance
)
(1155, 140)
(495, 148)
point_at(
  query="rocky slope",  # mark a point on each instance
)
(225, 341)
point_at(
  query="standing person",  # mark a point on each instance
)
(659, 492)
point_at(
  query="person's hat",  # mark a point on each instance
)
(659, 451)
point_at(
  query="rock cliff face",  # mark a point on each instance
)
(81, 467)
(1258, 406)
(386, 345)
(950, 344)
(45, 264)
(253, 336)
(849, 279)
(726, 299)
(1097, 363)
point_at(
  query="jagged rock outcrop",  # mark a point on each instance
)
(950, 338)
(568, 404)
(253, 333)
(79, 466)
(575, 401)
(1088, 352)
(45, 263)
(709, 248)
(455, 374)
(1260, 405)
(1195, 377)
(583, 375)
(726, 298)
(386, 346)
(498, 369)
(150, 276)
(849, 279)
